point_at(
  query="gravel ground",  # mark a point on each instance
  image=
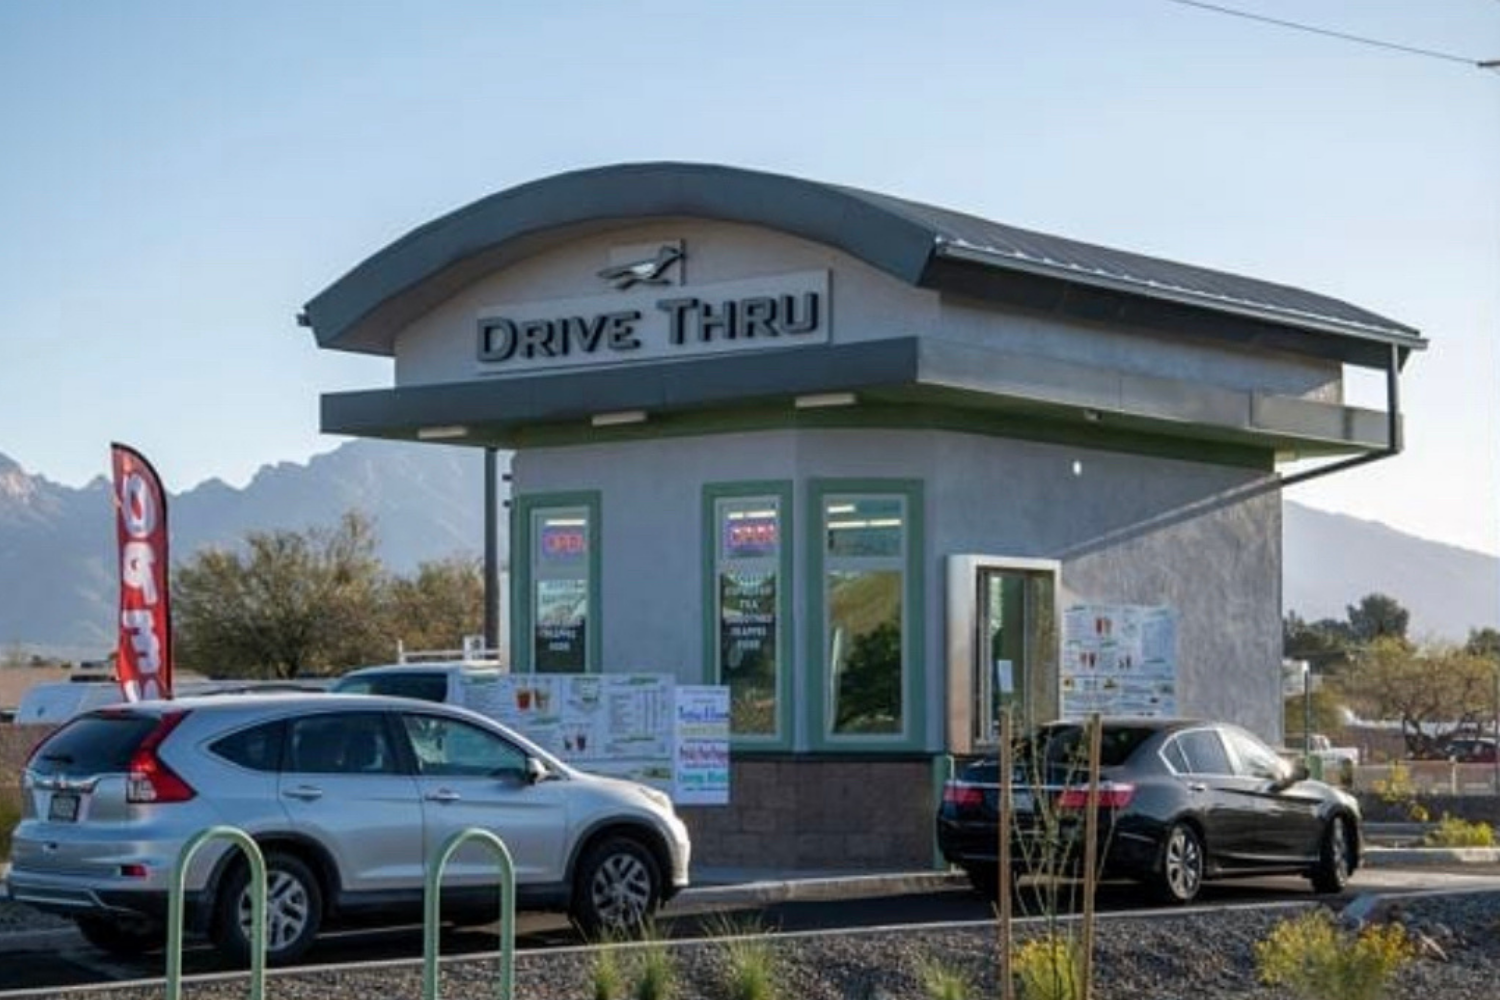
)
(1202, 956)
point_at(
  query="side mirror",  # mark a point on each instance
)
(1299, 772)
(535, 770)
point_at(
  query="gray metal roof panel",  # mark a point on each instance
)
(1068, 257)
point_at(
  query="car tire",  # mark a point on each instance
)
(1335, 857)
(122, 938)
(1180, 874)
(616, 889)
(294, 911)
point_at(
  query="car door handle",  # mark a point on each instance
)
(1197, 786)
(306, 793)
(443, 795)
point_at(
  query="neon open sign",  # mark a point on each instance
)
(751, 536)
(564, 542)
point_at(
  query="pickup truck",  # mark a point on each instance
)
(1322, 748)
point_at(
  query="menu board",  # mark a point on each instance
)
(1119, 660)
(622, 725)
(702, 751)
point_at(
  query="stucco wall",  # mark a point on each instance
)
(1126, 528)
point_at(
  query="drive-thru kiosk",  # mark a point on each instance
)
(881, 468)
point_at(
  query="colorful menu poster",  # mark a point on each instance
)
(1119, 660)
(622, 725)
(702, 753)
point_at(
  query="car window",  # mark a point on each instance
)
(1176, 759)
(340, 743)
(99, 743)
(1253, 759)
(430, 686)
(1203, 752)
(257, 748)
(453, 747)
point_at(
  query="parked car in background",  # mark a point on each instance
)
(1179, 802)
(1469, 750)
(348, 798)
(430, 681)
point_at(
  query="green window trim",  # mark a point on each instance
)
(781, 492)
(914, 612)
(522, 602)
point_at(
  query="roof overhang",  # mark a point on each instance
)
(978, 384)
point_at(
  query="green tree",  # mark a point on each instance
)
(1325, 644)
(1433, 692)
(1378, 616)
(291, 604)
(1484, 642)
(439, 606)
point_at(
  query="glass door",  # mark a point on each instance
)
(1015, 649)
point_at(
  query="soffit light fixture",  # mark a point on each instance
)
(443, 433)
(819, 400)
(616, 419)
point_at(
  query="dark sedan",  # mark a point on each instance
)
(1180, 801)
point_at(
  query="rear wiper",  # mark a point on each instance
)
(58, 758)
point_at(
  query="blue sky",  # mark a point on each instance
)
(178, 179)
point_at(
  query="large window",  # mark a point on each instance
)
(867, 562)
(559, 594)
(749, 594)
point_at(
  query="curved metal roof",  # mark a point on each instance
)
(916, 243)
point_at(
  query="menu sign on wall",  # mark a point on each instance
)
(623, 725)
(1119, 660)
(702, 752)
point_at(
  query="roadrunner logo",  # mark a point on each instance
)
(651, 271)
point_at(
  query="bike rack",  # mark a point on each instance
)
(432, 906)
(257, 908)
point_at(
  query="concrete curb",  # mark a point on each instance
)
(802, 889)
(1414, 857)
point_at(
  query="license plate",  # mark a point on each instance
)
(63, 807)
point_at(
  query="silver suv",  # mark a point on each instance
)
(347, 797)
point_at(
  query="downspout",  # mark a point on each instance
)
(1393, 431)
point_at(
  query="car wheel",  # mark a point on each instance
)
(124, 938)
(617, 888)
(1181, 874)
(294, 911)
(1335, 857)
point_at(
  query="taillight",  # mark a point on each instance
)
(148, 778)
(1112, 795)
(956, 793)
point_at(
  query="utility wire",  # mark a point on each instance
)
(1342, 36)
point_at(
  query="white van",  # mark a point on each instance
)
(55, 703)
(443, 681)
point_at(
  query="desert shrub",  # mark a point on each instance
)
(655, 972)
(942, 982)
(1398, 789)
(606, 977)
(750, 960)
(1049, 968)
(1315, 960)
(1454, 832)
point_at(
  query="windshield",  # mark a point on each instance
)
(427, 686)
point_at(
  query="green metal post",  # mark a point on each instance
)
(175, 906)
(432, 908)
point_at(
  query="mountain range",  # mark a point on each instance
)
(57, 574)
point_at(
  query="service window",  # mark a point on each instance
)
(749, 618)
(562, 596)
(867, 590)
